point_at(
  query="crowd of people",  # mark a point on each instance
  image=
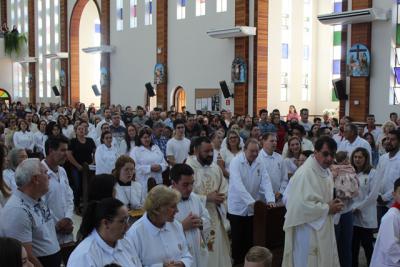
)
(197, 178)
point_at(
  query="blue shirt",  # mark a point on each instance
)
(266, 127)
(161, 143)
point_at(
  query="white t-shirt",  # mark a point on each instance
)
(178, 148)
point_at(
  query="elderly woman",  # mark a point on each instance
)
(127, 189)
(103, 228)
(158, 238)
(149, 159)
(14, 158)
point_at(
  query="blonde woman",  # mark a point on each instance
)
(159, 230)
(386, 128)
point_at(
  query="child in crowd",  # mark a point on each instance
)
(258, 257)
(387, 246)
(344, 176)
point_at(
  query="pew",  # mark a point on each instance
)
(268, 229)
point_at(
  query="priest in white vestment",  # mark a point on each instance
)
(309, 228)
(192, 213)
(211, 186)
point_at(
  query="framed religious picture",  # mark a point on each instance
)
(104, 78)
(159, 74)
(62, 78)
(358, 61)
(239, 71)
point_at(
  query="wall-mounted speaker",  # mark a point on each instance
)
(96, 90)
(225, 89)
(55, 90)
(150, 90)
(340, 89)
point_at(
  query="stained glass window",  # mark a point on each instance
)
(200, 7)
(119, 9)
(148, 17)
(285, 43)
(181, 9)
(222, 5)
(133, 14)
(337, 47)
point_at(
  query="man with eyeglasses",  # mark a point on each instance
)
(178, 146)
(309, 228)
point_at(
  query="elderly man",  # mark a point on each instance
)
(353, 140)
(27, 218)
(60, 197)
(15, 157)
(249, 182)
(309, 228)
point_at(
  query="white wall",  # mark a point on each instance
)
(194, 59)
(88, 65)
(321, 56)
(382, 61)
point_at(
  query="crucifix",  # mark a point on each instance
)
(358, 50)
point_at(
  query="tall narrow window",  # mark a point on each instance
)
(40, 47)
(119, 9)
(148, 16)
(181, 9)
(395, 94)
(222, 5)
(285, 43)
(200, 7)
(307, 41)
(133, 10)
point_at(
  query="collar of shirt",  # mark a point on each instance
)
(50, 171)
(152, 228)
(318, 169)
(30, 201)
(396, 157)
(153, 148)
(266, 155)
(103, 245)
(243, 160)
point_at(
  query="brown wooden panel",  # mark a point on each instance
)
(64, 47)
(260, 77)
(162, 44)
(242, 50)
(342, 103)
(32, 51)
(360, 86)
(105, 40)
(3, 14)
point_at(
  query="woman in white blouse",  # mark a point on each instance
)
(106, 155)
(40, 136)
(23, 138)
(127, 189)
(66, 128)
(149, 159)
(104, 225)
(228, 152)
(158, 238)
(293, 154)
(364, 205)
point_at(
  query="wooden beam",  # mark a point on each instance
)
(162, 44)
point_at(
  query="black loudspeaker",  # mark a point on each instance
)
(96, 90)
(225, 89)
(340, 89)
(150, 90)
(55, 91)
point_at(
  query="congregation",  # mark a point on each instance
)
(196, 179)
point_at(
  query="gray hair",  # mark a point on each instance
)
(26, 170)
(159, 198)
(13, 157)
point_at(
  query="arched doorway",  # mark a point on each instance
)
(81, 11)
(4, 97)
(179, 98)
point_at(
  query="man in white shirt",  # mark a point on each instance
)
(60, 197)
(388, 170)
(275, 165)
(192, 213)
(371, 127)
(249, 182)
(304, 120)
(306, 144)
(339, 137)
(309, 229)
(353, 141)
(178, 146)
(27, 218)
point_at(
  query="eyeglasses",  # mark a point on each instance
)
(326, 154)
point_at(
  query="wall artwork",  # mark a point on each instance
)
(62, 78)
(239, 71)
(358, 61)
(159, 74)
(104, 77)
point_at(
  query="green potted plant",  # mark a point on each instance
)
(14, 43)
